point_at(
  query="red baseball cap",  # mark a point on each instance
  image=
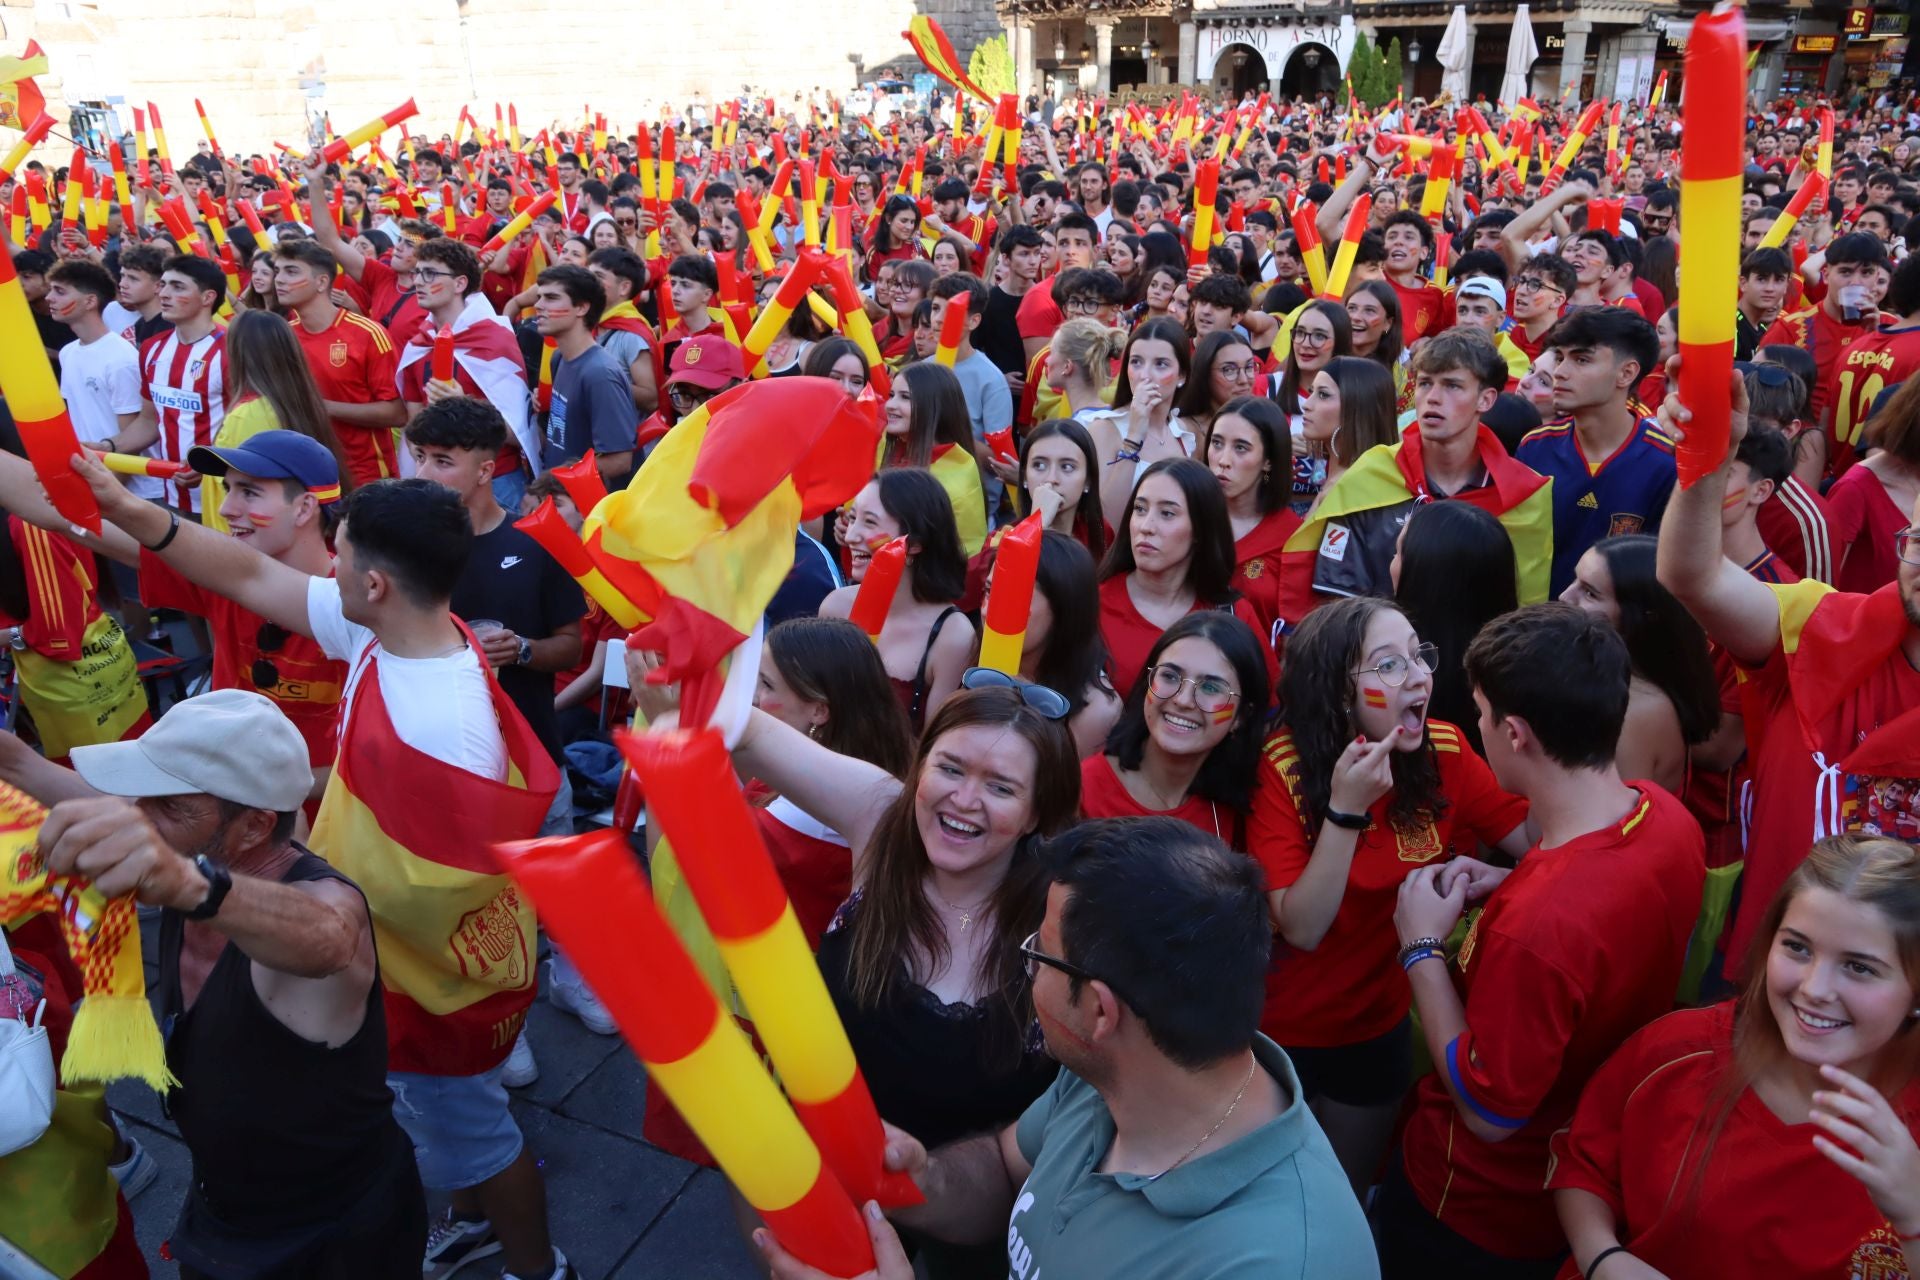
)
(706, 361)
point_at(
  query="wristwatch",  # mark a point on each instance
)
(526, 652)
(218, 882)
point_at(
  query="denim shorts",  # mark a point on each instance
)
(461, 1130)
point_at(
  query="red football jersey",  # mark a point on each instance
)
(1103, 795)
(1868, 366)
(1769, 1204)
(354, 361)
(1351, 988)
(1824, 338)
(1578, 949)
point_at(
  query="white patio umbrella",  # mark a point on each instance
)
(1455, 53)
(1516, 83)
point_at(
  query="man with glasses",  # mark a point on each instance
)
(1540, 292)
(1833, 680)
(1176, 1130)
(702, 368)
(352, 360)
(592, 406)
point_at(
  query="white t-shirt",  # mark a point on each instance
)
(99, 380)
(439, 706)
(120, 319)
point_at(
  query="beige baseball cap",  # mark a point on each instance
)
(233, 744)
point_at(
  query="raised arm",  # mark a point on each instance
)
(1736, 609)
(351, 260)
(20, 493)
(1514, 238)
(848, 795)
(213, 560)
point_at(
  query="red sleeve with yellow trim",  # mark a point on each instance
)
(59, 582)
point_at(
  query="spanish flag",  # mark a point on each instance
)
(1386, 475)
(457, 940)
(21, 102)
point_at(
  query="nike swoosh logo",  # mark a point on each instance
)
(507, 562)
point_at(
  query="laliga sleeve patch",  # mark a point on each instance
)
(1333, 543)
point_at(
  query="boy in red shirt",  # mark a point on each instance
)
(1576, 950)
(352, 359)
(1856, 276)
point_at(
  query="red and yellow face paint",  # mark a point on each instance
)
(1373, 698)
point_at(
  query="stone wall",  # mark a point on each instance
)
(246, 58)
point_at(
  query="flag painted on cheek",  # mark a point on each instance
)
(1222, 716)
(1375, 698)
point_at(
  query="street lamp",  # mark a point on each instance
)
(1059, 48)
(1239, 59)
(1413, 50)
(1311, 57)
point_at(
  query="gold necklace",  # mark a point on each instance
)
(965, 913)
(1216, 1125)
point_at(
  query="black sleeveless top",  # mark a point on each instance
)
(932, 1067)
(285, 1133)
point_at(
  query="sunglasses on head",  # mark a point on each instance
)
(1048, 702)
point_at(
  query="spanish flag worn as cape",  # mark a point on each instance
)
(624, 317)
(487, 356)
(959, 474)
(456, 939)
(1386, 475)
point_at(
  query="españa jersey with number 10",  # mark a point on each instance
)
(1868, 367)
(186, 383)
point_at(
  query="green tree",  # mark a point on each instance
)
(991, 66)
(1360, 68)
(1392, 68)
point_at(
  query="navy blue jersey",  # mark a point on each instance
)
(1624, 494)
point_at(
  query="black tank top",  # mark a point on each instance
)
(284, 1132)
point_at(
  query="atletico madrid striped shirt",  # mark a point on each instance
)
(186, 384)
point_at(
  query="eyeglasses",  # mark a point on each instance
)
(420, 273)
(1312, 337)
(1036, 957)
(1527, 284)
(1081, 306)
(683, 395)
(1049, 703)
(1906, 545)
(1251, 369)
(1395, 670)
(1210, 693)
(626, 222)
(271, 638)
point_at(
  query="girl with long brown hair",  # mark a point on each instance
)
(271, 389)
(1773, 1134)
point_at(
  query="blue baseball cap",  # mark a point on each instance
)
(275, 455)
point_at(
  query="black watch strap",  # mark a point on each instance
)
(1351, 821)
(219, 881)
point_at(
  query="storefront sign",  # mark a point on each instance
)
(1889, 24)
(1858, 21)
(1815, 44)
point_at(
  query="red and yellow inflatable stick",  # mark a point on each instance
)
(1440, 174)
(1712, 165)
(1016, 564)
(1582, 130)
(518, 223)
(125, 195)
(1206, 195)
(440, 363)
(1823, 156)
(159, 141)
(1659, 94)
(1613, 138)
(547, 527)
(140, 147)
(694, 796)
(1812, 190)
(953, 331)
(1313, 253)
(877, 589)
(70, 193)
(36, 132)
(583, 483)
(134, 464)
(206, 127)
(774, 316)
(1336, 290)
(341, 147)
(1471, 121)
(33, 397)
(691, 1047)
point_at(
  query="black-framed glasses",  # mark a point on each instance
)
(1210, 693)
(1081, 306)
(1048, 702)
(1036, 957)
(1394, 669)
(1528, 283)
(684, 396)
(1312, 337)
(271, 638)
(420, 273)
(1906, 545)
